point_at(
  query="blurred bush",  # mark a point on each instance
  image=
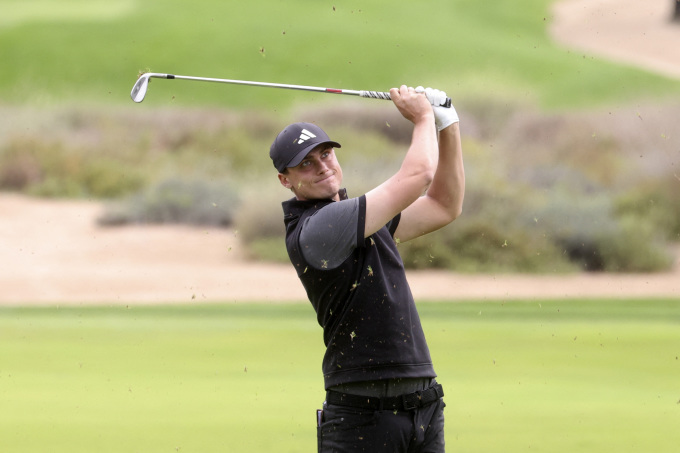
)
(175, 200)
(53, 169)
(546, 192)
(655, 202)
(585, 227)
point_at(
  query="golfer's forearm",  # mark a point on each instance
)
(408, 184)
(448, 184)
(422, 157)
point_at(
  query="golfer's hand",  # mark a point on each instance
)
(443, 116)
(412, 105)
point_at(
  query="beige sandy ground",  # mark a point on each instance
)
(53, 252)
(636, 32)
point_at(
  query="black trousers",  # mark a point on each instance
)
(345, 429)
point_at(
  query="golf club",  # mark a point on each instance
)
(141, 86)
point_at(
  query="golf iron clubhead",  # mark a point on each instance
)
(142, 85)
(139, 89)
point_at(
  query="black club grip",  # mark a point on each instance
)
(386, 96)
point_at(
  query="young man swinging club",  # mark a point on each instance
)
(381, 393)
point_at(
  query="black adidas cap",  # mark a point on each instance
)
(295, 142)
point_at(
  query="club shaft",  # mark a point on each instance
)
(362, 93)
(262, 84)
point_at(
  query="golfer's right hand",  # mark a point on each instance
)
(412, 105)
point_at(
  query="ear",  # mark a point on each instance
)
(285, 182)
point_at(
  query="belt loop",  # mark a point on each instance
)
(437, 391)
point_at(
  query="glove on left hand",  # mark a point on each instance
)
(443, 116)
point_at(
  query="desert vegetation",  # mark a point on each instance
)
(557, 192)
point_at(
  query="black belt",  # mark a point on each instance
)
(406, 402)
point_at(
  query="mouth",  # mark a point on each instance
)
(325, 178)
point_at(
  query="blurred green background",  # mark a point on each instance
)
(571, 160)
(89, 52)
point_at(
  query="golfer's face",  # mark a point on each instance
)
(318, 176)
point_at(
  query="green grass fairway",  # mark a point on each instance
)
(559, 376)
(85, 51)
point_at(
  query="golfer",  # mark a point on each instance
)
(381, 393)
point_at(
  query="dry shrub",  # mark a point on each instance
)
(599, 188)
(260, 214)
(19, 170)
(176, 200)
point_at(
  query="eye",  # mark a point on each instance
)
(325, 153)
(305, 164)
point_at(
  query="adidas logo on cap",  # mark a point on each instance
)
(304, 136)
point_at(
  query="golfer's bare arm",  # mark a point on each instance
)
(417, 170)
(443, 201)
(435, 170)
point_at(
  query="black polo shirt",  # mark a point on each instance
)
(358, 288)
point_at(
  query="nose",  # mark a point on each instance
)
(322, 166)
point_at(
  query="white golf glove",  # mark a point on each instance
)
(443, 116)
